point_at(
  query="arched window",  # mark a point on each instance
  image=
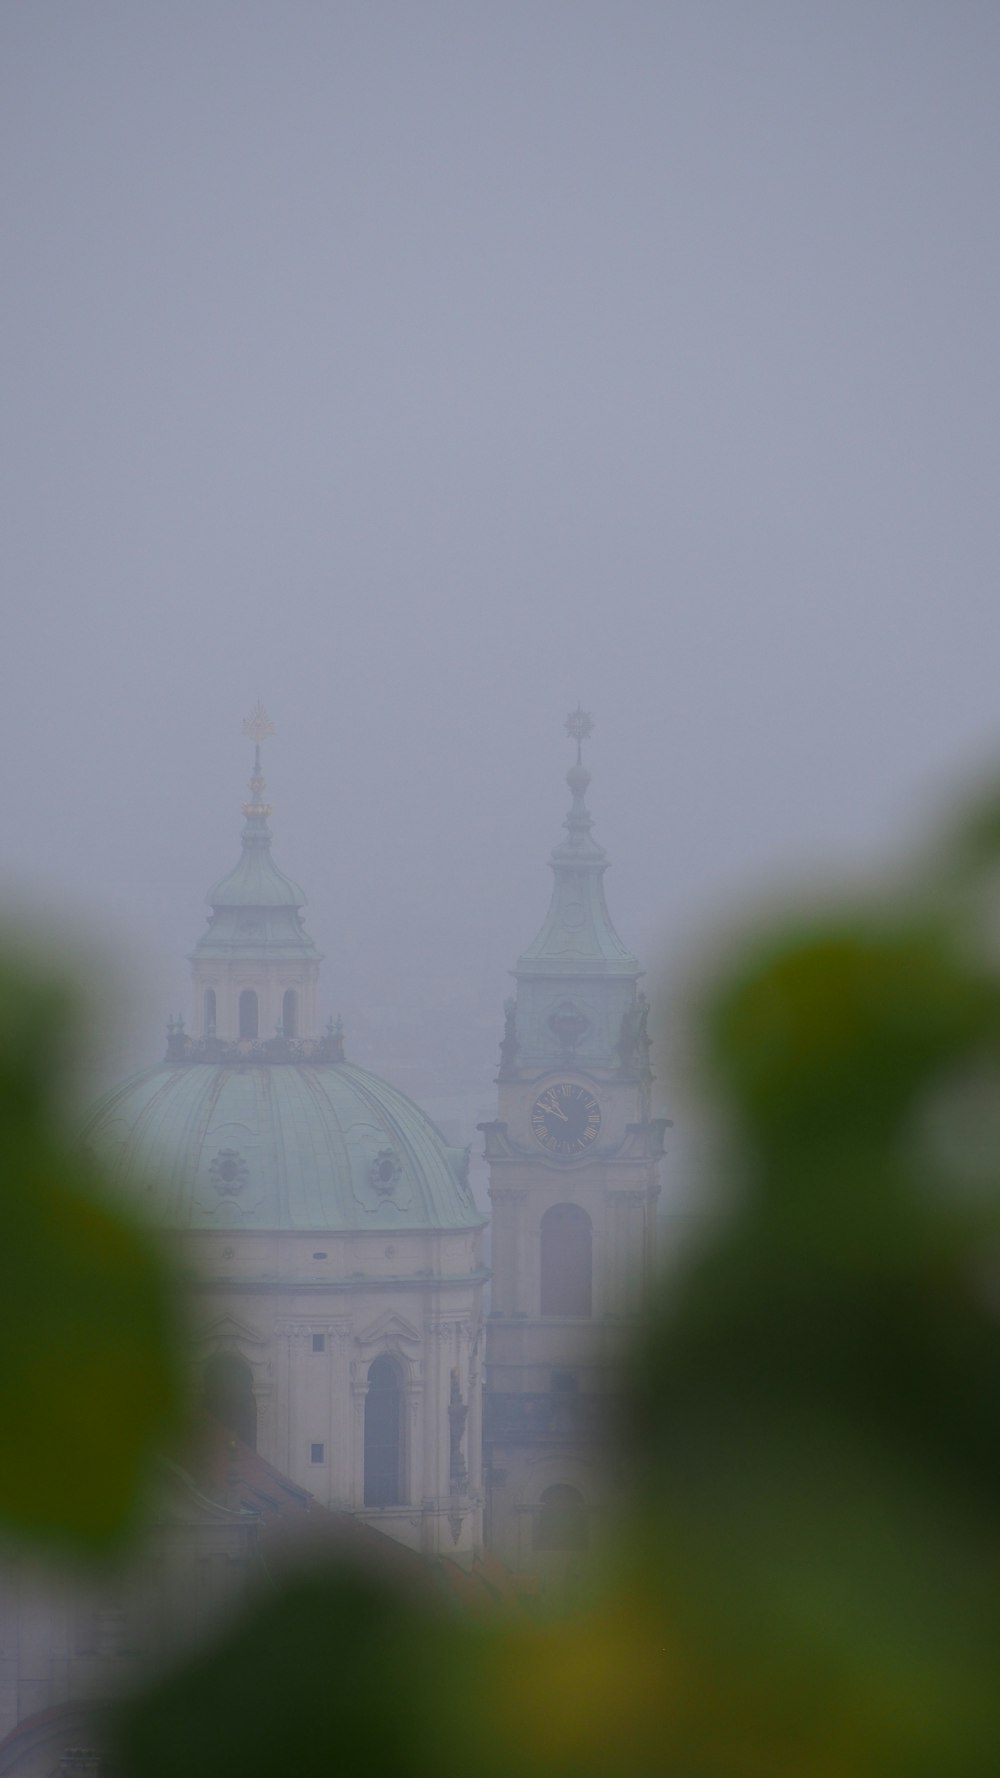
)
(383, 1435)
(229, 1395)
(567, 1262)
(561, 1522)
(209, 1012)
(248, 1013)
(290, 1013)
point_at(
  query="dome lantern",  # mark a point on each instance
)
(255, 970)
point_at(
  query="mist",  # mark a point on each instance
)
(425, 371)
(422, 374)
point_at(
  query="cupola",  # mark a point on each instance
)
(255, 970)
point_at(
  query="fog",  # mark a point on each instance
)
(426, 370)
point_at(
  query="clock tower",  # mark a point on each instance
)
(574, 1161)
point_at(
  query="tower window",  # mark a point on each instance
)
(317, 1453)
(564, 1383)
(567, 1261)
(383, 1435)
(319, 1342)
(209, 1012)
(229, 1396)
(290, 1013)
(562, 1519)
(248, 1013)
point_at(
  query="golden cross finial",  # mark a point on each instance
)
(258, 724)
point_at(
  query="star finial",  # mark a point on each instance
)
(258, 725)
(579, 727)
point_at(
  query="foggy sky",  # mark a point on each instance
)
(426, 369)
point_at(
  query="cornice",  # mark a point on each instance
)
(323, 1286)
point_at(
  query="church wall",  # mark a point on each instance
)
(538, 1436)
(412, 1296)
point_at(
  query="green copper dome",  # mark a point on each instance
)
(268, 1127)
(279, 1147)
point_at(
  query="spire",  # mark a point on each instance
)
(255, 907)
(579, 727)
(255, 970)
(578, 937)
(257, 726)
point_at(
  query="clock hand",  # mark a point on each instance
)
(550, 1106)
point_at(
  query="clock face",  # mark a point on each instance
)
(565, 1119)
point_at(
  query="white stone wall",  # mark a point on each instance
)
(415, 1297)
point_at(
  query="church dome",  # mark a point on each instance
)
(255, 1121)
(279, 1146)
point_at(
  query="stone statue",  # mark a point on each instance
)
(508, 1045)
(634, 1042)
(457, 1416)
(628, 1039)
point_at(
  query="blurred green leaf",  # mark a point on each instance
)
(817, 1430)
(339, 1673)
(332, 1674)
(823, 1039)
(88, 1375)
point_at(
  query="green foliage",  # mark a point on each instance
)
(819, 1438)
(88, 1376)
(820, 1041)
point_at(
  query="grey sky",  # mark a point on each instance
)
(425, 369)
